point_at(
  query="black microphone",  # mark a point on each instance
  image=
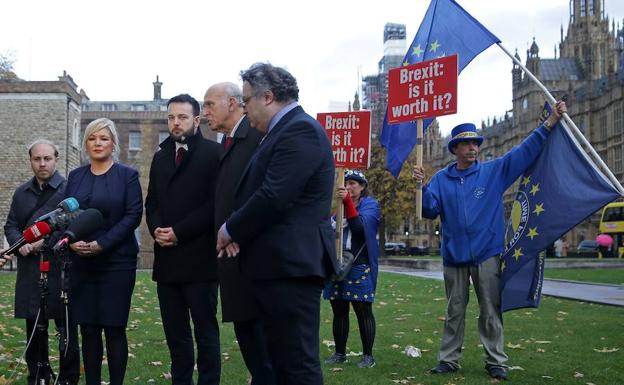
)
(67, 205)
(85, 224)
(61, 221)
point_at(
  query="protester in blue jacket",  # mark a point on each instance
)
(358, 287)
(468, 197)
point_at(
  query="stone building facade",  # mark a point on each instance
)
(30, 110)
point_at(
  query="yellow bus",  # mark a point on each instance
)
(612, 223)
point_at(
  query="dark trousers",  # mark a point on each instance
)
(179, 303)
(69, 363)
(290, 315)
(253, 346)
(93, 350)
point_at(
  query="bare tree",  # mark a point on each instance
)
(7, 60)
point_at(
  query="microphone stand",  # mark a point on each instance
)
(61, 254)
(43, 366)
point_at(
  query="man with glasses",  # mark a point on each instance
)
(281, 223)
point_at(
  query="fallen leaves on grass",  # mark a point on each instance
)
(606, 350)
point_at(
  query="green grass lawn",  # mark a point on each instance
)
(563, 342)
(612, 276)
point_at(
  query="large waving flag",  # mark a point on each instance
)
(446, 29)
(560, 190)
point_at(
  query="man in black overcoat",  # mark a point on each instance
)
(179, 209)
(40, 195)
(224, 113)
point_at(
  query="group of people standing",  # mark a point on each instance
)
(263, 197)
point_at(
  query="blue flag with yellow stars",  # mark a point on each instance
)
(560, 190)
(446, 29)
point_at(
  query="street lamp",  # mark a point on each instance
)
(407, 238)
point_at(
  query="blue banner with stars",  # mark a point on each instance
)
(446, 29)
(560, 190)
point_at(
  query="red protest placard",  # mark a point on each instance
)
(349, 134)
(423, 90)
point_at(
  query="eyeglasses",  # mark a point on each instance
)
(246, 100)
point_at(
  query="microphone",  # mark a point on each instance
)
(30, 235)
(63, 220)
(85, 224)
(67, 205)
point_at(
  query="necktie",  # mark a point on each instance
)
(179, 156)
(228, 142)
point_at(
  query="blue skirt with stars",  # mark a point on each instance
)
(357, 286)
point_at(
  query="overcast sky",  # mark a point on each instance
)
(114, 49)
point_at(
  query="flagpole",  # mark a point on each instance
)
(340, 174)
(419, 162)
(568, 120)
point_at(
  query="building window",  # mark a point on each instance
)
(134, 141)
(583, 12)
(109, 107)
(525, 103)
(618, 164)
(137, 107)
(602, 126)
(75, 135)
(163, 108)
(162, 136)
(618, 122)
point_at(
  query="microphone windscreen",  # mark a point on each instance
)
(85, 224)
(69, 204)
(36, 232)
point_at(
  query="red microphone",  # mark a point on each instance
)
(30, 235)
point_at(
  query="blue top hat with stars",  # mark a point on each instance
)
(463, 133)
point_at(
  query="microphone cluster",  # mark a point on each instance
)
(79, 224)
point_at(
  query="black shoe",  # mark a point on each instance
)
(442, 368)
(336, 358)
(497, 372)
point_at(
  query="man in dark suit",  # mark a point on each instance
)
(281, 223)
(180, 215)
(224, 113)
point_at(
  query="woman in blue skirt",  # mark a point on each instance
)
(362, 215)
(104, 264)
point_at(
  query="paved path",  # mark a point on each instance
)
(581, 291)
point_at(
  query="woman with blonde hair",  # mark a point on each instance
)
(104, 265)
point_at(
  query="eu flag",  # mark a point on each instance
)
(446, 29)
(560, 190)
